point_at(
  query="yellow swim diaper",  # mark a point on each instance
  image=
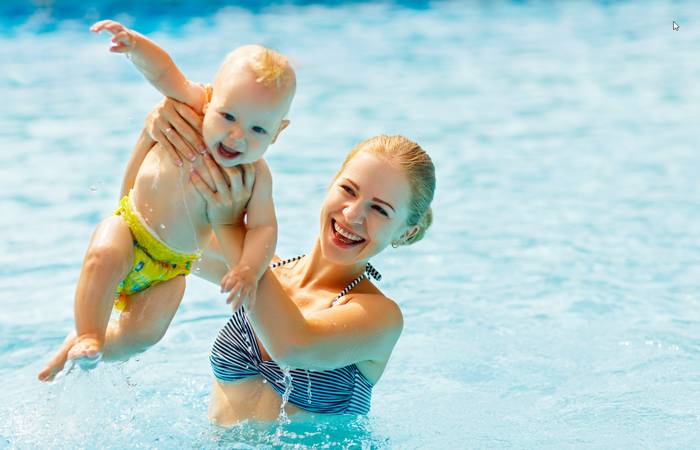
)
(154, 261)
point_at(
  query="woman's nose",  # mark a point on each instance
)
(353, 213)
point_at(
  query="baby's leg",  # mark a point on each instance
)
(108, 260)
(143, 323)
(145, 320)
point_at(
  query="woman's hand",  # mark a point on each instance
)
(228, 197)
(178, 128)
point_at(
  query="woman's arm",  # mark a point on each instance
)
(365, 328)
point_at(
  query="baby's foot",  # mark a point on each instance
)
(55, 365)
(86, 352)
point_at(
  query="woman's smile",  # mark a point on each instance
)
(344, 237)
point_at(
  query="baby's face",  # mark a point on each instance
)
(243, 118)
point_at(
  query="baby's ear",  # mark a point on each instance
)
(283, 125)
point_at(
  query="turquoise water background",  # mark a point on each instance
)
(553, 304)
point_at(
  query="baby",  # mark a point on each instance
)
(161, 227)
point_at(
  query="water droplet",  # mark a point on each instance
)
(264, 380)
(162, 227)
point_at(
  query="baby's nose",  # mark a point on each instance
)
(235, 132)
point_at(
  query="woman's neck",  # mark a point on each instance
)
(319, 273)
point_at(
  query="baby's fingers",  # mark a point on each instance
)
(99, 26)
(109, 25)
(235, 293)
(227, 282)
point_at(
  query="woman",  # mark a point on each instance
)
(318, 314)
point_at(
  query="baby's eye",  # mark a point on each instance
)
(259, 130)
(228, 117)
(381, 210)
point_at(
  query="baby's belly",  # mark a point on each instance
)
(171, 206)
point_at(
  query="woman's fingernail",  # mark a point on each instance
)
(193, 158)
(179, 163)
(202, 149)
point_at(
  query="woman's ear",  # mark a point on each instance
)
(408, 234)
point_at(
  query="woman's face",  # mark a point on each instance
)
(365, 209)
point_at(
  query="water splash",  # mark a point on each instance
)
(308, 386)
(287, 383)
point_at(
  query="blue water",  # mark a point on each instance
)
(554, 303)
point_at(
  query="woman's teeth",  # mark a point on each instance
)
(346, 234)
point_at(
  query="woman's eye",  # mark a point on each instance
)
(259, 130)
(381, 210)
(228, 117)
(347, 189)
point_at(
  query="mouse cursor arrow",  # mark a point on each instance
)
(675, 26)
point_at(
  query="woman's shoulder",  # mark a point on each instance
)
(378, 305)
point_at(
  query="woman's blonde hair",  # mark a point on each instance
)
(419, 169)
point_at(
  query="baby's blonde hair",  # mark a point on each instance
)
(269, 67)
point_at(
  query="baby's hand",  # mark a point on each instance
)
(123, 39)
(242, 283)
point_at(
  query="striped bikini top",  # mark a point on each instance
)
(236, 356)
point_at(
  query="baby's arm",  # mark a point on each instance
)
(259, 242)
(261, 223)
(154, 63)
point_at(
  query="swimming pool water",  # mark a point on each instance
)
(554, 302)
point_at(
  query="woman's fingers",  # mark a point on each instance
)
(181, 146)
(179, 130)
(190, 127)
(158, 136)
(248, 176)
(215, 171)
(236, 177)
(166, 125)
(203, 188)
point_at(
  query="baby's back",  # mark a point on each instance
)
(169, 203)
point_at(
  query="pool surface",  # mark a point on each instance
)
(555, 302)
